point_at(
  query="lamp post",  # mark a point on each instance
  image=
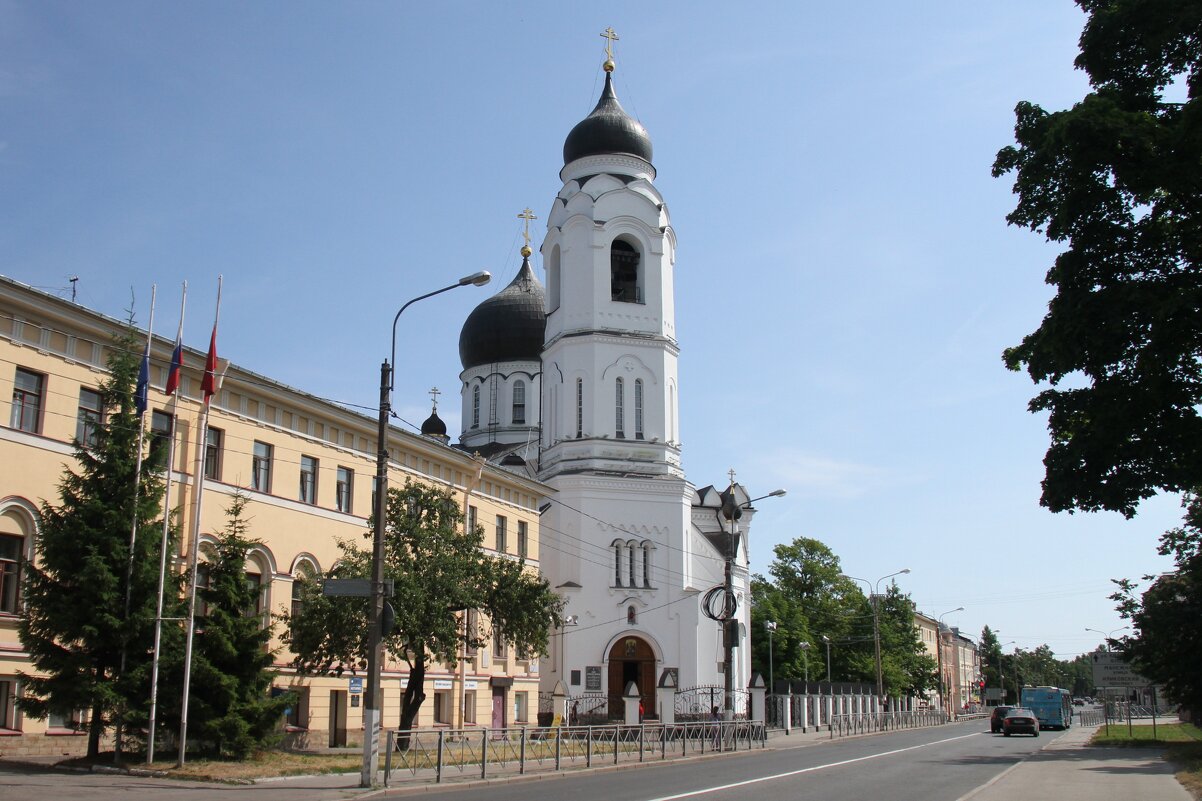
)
(939, 653)
(876, 625)
(770, 627)
(805, 657)
(1108, 636)
(732, 511)
(371, 696)
(827, 640)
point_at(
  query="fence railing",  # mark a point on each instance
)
(484, 752)
(847, 725)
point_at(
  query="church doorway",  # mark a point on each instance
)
(631, 659)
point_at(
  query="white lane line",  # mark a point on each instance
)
(774, 777)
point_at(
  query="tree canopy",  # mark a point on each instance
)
(1116, 180)
(440, 575)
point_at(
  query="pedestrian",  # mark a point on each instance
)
(716, 717)
(640, 710)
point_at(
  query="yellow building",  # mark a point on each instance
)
(307, 466)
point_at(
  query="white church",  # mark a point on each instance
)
(575, 383)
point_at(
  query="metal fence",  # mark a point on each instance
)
(484, 752)
(846, 725)
(698, 703)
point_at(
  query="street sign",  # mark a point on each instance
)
(1109, 670)
(357, 588)
(993, 694)
(356, 685)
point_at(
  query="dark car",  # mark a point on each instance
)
(1020, 721)
(995, 719)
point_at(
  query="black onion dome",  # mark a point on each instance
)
(507, 327)
(608, 129)
(434, 426)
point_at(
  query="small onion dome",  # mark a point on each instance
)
(434, 426)
(507, 327)
(608, 129)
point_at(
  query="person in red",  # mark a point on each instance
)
(640, 710)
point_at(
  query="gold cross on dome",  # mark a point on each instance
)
(732, 476)
(527, 215)
(434, 393)
(610, 38)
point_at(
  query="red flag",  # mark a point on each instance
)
(209, 383)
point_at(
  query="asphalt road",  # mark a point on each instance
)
(938, 764)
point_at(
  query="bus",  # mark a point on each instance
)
(1052, 705)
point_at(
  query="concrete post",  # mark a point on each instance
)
(758, 693)
(631, 697)
(787, 701)
(665, 697)
(559, 704)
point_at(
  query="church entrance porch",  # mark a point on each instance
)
(631, 659)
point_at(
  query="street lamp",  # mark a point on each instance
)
(939, 653)
(1106, 635)
(770, 627)
(371, 697)
(827, 640)
(876, 625)
(732, 511)
(805, 656)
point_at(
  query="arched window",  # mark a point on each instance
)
(305, 572)
(619, 549)
(619, 409)
(476, 406)
(647, 564)
(638, 408)
(624, 273)
(579, 408)
(16, 534)
(519, 401)
(633, 548)
(553, 280)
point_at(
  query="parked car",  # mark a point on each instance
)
(1078, 702)
(995, 719)
(1020, 721)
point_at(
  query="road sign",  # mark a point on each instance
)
(1109, 670)
(357, 685)
(357, 588)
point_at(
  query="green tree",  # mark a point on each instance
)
(1116, 180)
(74, 625)
(770, 603)
(1166, 646)
(440, 571)
(991, 657)
(230, 711)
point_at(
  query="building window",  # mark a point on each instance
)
(256, 584)
(442, 707)
(519, 402)
(469, 706)
(308, 479)
(213, 440)
(619, 548)
(499, 649)
(27, 401)
(471, 519)
(633, 549)
(8, 706)
(471, 631)
(579, 408)
(10, 572)
(619, 408)
(305, 572)
(75, 720)
(501, 523)
(638, 408)
(624, 272)
(476, 406)
(161, 427)
(298, 713)
(89, 418)
(260, 467)
(523, 539)
(521, 707)
(646, 564)
(345, 489)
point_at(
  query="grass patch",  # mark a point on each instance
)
(264, 765)
(1182, 743)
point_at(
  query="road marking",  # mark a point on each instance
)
(776, 776)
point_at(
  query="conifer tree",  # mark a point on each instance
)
(74, 623)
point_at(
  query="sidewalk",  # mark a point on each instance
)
(1069, 770)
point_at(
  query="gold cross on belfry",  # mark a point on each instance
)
(610, 38)
(527, 215)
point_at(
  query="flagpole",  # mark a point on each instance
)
(141, 401)
(208, 387)
(176, 365)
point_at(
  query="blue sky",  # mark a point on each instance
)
(846, 281)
